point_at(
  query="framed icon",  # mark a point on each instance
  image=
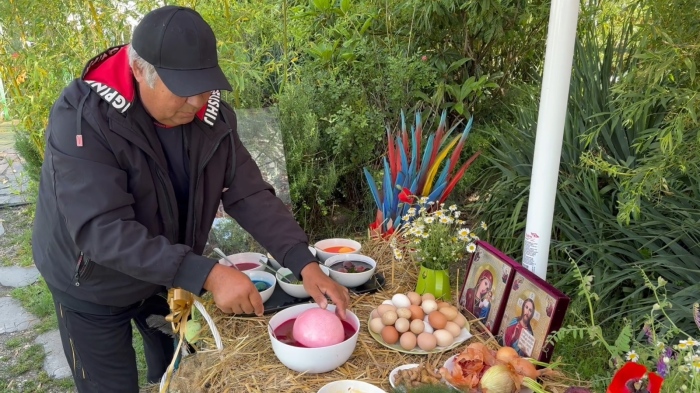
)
(533, 310)
(486, 285)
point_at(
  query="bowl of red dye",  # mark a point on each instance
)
(246, 261)
(330, 247)
(296, 356)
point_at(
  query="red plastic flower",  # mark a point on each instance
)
(630, 379)
(406, 196)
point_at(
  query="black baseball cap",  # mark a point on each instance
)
(182, 47)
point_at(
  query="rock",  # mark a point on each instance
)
(15, 276)
(13, 317)
(55, 363)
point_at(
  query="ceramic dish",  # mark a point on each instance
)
(394, 372)
(350, 386)
(463, 336)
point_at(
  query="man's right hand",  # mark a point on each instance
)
(233, 291)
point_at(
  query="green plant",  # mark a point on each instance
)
(436, 236)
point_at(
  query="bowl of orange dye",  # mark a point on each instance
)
(337, 246)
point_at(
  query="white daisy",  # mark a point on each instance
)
(632, 356)
(471, 247)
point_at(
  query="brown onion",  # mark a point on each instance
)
(523, 367)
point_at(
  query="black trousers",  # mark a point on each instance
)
(99, 347)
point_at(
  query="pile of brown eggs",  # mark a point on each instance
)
(412, 320)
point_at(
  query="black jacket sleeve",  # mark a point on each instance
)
(91, 194)
(253, 204)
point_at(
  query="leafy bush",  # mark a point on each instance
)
(662, 239)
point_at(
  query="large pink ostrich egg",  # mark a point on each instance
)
(317, 327)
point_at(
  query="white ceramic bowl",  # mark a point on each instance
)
(278, 266)
(351, 280)
(312, 360)
(256, 275)
(246, 257)
(336, 242)
(295, 290)
(395, 372)
(348, 385)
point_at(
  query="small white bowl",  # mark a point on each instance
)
(256, 275)
(246, 257)
(276, 265)
(320, 246)
(395, 372)
(351, 280)
(295, 290)
(349, 385)
(312, 360)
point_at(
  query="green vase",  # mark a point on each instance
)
(436, 282)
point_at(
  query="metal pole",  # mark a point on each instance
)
(561, 37)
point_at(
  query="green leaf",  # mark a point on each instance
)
(345, 6)
(322, 5)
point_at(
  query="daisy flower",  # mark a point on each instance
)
(471, 247)
(632, 356)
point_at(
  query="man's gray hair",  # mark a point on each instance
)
(149, 72)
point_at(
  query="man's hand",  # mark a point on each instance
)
(233, 291)
(318, 285)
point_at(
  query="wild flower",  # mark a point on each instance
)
(435, 235)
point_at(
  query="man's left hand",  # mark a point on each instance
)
(319, 285)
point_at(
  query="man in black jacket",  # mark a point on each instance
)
(140, 151)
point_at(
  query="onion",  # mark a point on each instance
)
(498, 379)
(507, 354)
(523, 367)
(486, 353)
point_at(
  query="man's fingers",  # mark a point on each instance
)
(257, 303)
(318, 296)
(341, 299)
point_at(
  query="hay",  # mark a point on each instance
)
(248, 363)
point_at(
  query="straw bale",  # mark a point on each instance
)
(248, 364)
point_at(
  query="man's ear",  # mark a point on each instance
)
(138, 74)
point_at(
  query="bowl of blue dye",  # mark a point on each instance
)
(264, 282)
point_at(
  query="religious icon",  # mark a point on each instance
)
(485, 286)
(534, 310)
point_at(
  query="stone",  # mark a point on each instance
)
(15, 276)
(14, 318)
(2, 229)
(55, 363)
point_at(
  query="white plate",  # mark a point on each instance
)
(395, 372)
(450, 364)
(350, 386)
(464, 335)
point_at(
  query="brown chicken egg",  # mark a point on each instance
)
(453, 328)
(437, 320)
(384, 308)
(376, 325)
(390, 335)
(461, 321)
(449, 312)
(416, 312)
(426, 341)
(442, 305)
(402, 325)
(417, 326)
(415, 298)
(408, 341)
(404, 312)
(428, 296)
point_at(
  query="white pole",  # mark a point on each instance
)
(3, 103)
(559, 55)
